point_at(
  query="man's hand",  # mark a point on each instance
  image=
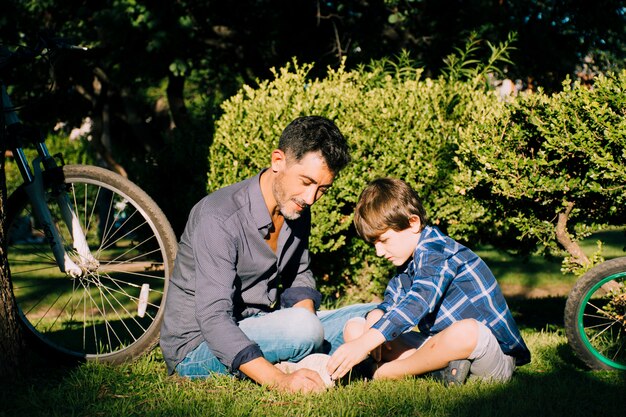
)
(302, 380)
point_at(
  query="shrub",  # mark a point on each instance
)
(397, 125)
(487, 170)
(548, 158)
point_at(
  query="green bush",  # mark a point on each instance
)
(545, 154)
(397, 125)
(487, 170)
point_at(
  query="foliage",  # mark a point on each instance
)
(489, 170)
(156, 72)
(397, 124)
(556, 38)
(543, 153)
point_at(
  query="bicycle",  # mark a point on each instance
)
(595, 316)
(90, 253)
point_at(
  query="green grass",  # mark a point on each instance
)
(542, 276)
(555, 383)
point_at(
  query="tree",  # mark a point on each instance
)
(157, 72)
(11, 340)
(551, 168)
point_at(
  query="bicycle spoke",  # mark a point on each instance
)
(618, 348)
(102, 313)
(109, 244)
(28, 271)
(105, 274)
(129, 245)
(47, 311)
(131, 315)
(595, 326)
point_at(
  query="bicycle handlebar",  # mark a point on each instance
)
(45, 45)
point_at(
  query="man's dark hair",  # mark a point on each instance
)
(315, 134)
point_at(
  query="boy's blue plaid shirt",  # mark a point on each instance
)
(445, 282)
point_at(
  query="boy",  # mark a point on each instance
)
(443, 288)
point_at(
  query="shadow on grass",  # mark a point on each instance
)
(562, 392)
(537, 313)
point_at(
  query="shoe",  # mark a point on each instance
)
(454, 374)
(315, 361)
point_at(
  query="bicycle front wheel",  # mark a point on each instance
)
(595, 316)
(112, 313)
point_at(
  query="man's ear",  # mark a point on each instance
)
(279, 160)
(415, 224)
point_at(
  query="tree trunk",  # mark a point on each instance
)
(573, 248)
(11, 340)
(563, 238)
(176, 100)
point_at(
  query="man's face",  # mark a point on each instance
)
(398, 246)
(299, 184)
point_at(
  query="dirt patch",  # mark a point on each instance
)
(521, 291)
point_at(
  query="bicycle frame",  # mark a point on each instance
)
(111, 308)
(34, 187)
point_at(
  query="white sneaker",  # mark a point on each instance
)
(315, 361)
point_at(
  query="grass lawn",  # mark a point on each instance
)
(555, 383)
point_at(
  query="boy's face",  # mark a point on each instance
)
(398, 246)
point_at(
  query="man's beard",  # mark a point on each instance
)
(282, 201)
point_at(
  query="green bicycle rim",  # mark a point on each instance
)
(581, 326)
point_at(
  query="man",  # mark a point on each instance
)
(242, 296)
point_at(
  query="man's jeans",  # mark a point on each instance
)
(283, 335)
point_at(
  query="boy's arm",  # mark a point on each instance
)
(417, 292)
(373, 316)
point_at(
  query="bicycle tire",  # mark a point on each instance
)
(595, 321)
(96, 317)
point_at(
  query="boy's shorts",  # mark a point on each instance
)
(488, 360)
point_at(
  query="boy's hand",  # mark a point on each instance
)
(352, 353)
(344, 358)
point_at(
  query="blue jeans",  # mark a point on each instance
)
(283, 335)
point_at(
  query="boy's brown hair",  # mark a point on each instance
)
(386, 203)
